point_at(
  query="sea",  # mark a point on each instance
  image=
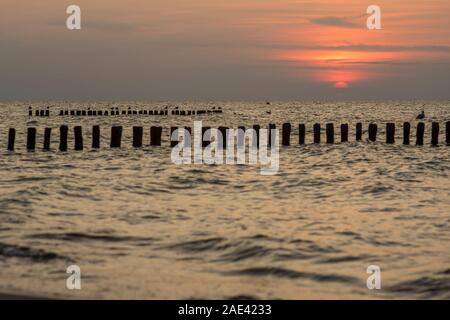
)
(139, 226)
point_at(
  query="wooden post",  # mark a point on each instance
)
(137, 137)
(30, 112)
(78, 138)
(47, 135)
(11, 139)
(435, 133)
(447, 133)
(301, 133)
(359, 131)
(31, 139)
(330, 133)
(155, 136)
(175, 142)
(286, 132)
(206, 138)
(420, 133)
(316, 129)
(96, 137)
(256, 127)
(344, 132)
(373, 132)
(269, 140)
(47, 112)
(63, 131)
(406, 133)
(390, 133)
(241, 136)
(223, 131)
(116, 136)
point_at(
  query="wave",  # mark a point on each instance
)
(37, 255)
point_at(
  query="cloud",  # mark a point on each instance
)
(331, 21)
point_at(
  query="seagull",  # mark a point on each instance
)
(421, 116)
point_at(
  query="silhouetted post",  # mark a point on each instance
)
(41, 113)
(31, 139)
(95, 137)
(47, 112)
(11, 139)
(83, 113)
(256, 127)
(390, 133)
(63, 131)
(30, 112)
(286, 132)
(72, 112)
(116, 136)
(406, 133)
(155, 136)
(344, 132)
(137, 137)
(301, 133)
(359, 131)
(447, 133)
(175, 142)
(78, 138)
(435, 133)
(269, 141)
(37, 113)
(223, 131)
(373, 128)
(330, 133)
(61, 112)
(188, 139)
(241, 136)
(206, 138)
(47, 135)
(316, 129)
(66, 112)
(420, 133)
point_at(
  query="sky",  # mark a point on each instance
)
(224, 50)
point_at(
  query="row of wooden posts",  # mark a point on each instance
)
(116, 112)
(156, 133)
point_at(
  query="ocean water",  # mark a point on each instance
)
(139, 226)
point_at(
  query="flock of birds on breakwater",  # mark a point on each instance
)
(116, 111)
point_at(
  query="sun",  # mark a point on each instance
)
(341, 85)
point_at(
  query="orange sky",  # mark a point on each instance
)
(222, 49)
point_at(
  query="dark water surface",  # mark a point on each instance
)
(141, 227)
